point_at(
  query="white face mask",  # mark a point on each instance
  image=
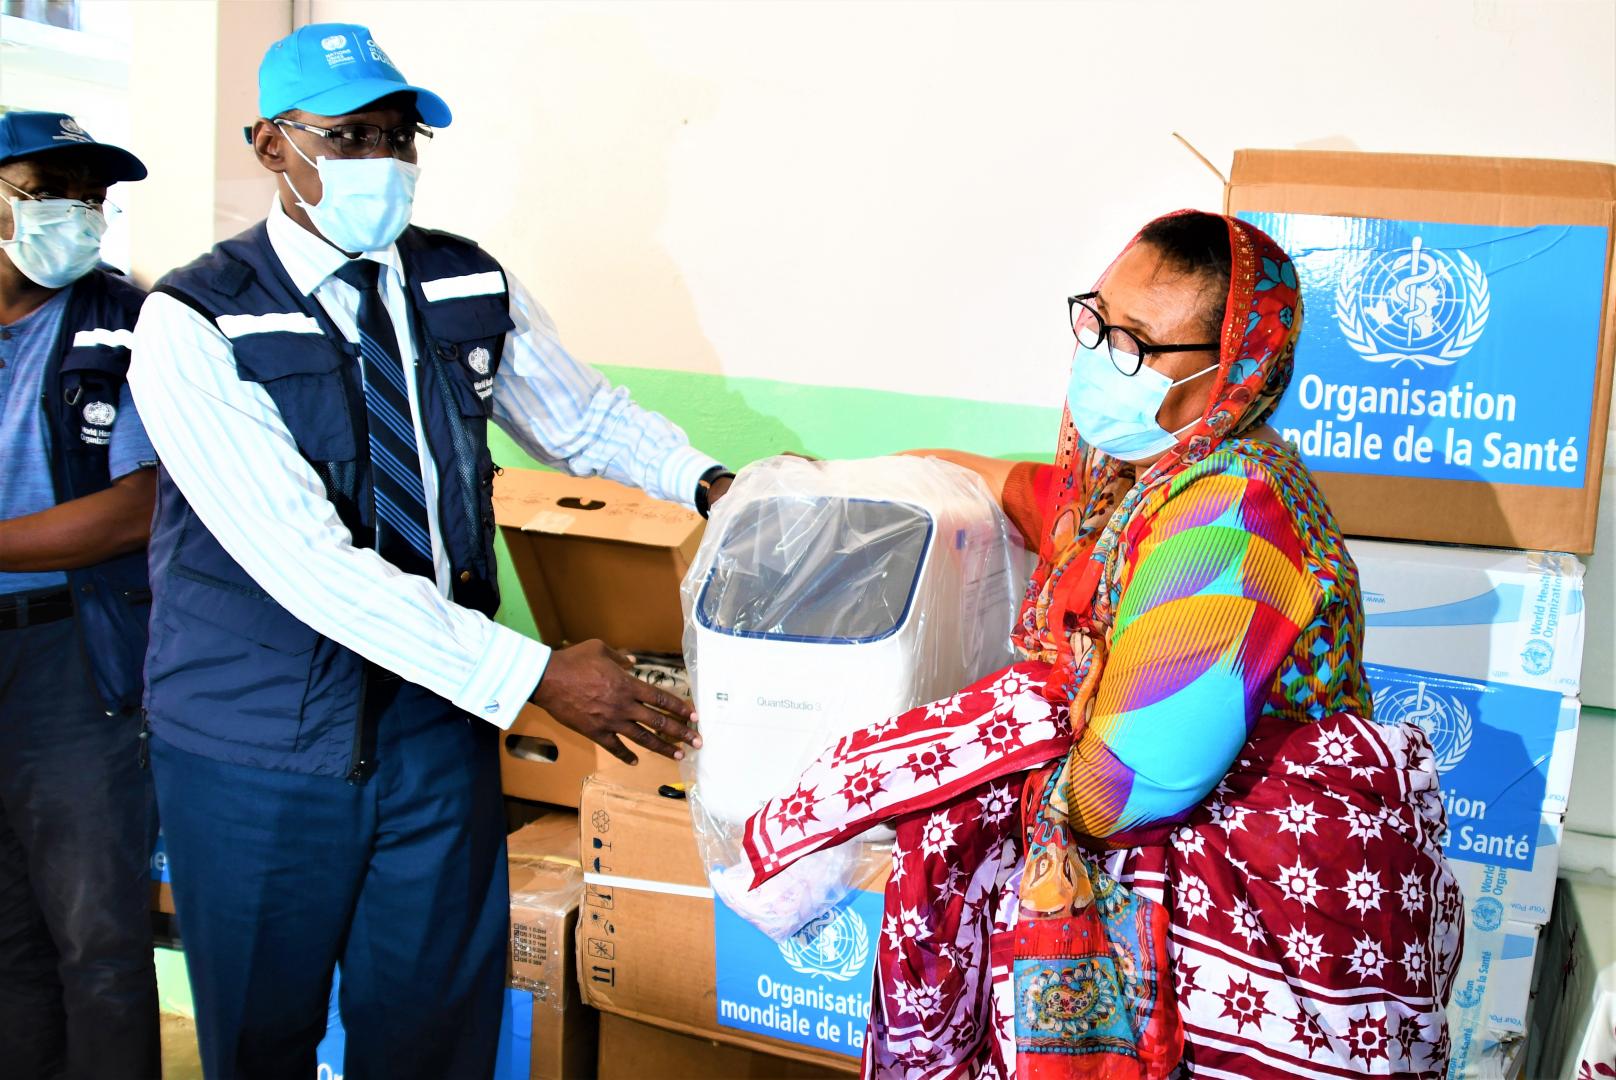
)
(1116, 413)
(364, 202)
(54, 242)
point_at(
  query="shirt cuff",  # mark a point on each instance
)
(510, 669)
(681, 472)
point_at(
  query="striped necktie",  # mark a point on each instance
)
(402, 535)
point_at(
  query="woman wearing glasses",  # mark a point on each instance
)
(1170, 839)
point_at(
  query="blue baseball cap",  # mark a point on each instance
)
(27, 134)
(331, 69)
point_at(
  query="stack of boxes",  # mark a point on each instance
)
(673, 982)
(1483, 649)
(1429, 411)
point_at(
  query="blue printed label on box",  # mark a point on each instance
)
(813, 988)
(1442, 351)
(1492, 743)
(159, 860)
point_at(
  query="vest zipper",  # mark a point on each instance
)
(465, 459)
(361, 765)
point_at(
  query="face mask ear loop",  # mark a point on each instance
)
(1192, 378)
(298, 150)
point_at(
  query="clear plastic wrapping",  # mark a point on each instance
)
(825, 597)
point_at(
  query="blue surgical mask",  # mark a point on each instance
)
(1116, 413)
(364, 202)
(54, 242)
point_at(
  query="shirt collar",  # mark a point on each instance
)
(309, 260)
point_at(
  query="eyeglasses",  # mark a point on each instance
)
(361, 140)
(99, 205)
(1127, 351)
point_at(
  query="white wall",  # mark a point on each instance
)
(899, 195)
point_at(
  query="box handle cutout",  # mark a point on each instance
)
(531, 748)
(573, 502)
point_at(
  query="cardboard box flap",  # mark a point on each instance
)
(597, 559)
(638, 834)
(1436, 175)
(589, 507)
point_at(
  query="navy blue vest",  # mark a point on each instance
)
(83, 378)
(231, 674)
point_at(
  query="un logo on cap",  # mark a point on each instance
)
(833, 946)
(1444, 719)
(335, 41)
(1415, 304)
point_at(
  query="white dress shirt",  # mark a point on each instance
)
(223, 443)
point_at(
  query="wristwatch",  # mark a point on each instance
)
(704, 487)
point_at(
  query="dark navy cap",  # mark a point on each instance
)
(332, 69)
(27, 134)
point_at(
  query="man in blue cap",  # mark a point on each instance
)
(325, 685)
(78, 996)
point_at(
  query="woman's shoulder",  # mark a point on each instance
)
(1261, 480)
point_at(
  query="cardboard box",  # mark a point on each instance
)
(547, 884)
(1518, 894)
(633, 1051)
(655, 950)
(1493, 987)
(1453, 378)
(596, 559)
(1509, 617)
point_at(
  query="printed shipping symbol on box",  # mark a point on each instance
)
(1492, 743)
(813, 988)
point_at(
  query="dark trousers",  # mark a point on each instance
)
(78, 993)
(279, 876)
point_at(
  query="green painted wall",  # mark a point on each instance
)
(739, 421)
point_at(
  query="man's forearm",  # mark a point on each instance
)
(82, 532)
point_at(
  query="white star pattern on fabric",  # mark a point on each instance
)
(1300, 883)
(949, 887)
(1411, 891)
(1361, 824)
(913, 924)
(940, 711)
(938, 835)
(891, 931)
(1414, 962)
(1303, 949)
(1247, 923)
(1193, 897)
(922, 1001)
(1011, 686)
(996, 805)
(1367, 957)
(1229, 818)
(1363, 889)
(1297, 818)
(1189, 841)
(900, 859)
(1335, 748)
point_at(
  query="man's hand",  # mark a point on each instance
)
(587, 687)
(717, 490)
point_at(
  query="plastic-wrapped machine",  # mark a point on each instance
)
(825, 597)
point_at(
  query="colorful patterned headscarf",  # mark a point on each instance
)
(1070, 602)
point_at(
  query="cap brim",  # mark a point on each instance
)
(354, 96)
(116, 163)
